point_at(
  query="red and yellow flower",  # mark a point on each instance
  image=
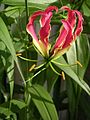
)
(70, 29)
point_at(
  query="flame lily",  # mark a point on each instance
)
(71, 28)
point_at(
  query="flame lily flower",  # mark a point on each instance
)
(71, 28)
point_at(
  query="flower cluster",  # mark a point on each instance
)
(70, 29)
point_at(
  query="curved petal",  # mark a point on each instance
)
(65, 8)
(79, 27)
(31, 30)
(45, 30)
(71, 17)
(72, 20)
(57, 52)
(42, 43)
(64, 38)
(30, 26)
(44, 19)
(69, 32)
(50, 8)
(45, 26)
(69, 37)
(61, 38)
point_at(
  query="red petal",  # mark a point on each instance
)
(71, 15)
(61, 39)
(45, 24)
(69, 37)
(43, 19)
(30, 26)
(65, 36)
(72, 20)
(50, 8)
(45, 30)
(79, 27)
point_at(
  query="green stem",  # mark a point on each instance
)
(54, 69)
(26, 9)
(77, 102)
(35, 75)
(56, 94)
(29, 60)
(26, 94)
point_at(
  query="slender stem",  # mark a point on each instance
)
(56, 93)
(77, 101)
(54, 69)
(26, 9)
(35, 75)
(29, 60)
(27, 66)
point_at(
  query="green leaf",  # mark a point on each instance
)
(86, 106)
(13, 11)
(83, 54)
(19, 104)
(87, 2)
(42, 4)
(51, 78)
(86, 10)
(46, 76)
(80, 51)
(70, 86)
(7, 113)
(10, 73)
(43, 102)
(71, 73)
(30, 1)
(2, 46)
(5, 37)
(72, 57)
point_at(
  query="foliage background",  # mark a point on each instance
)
(45, 95)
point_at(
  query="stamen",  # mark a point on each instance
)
(18, 54)
(32, 67)
(63, 75)
(77, 62)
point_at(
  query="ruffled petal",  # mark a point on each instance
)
(69, 37)
(30, 26)
(72, 20)
(61, 38)
(45, 30)
(48, 10)
(79, 27)
(45, 24)
(71, 17)
(46, 27)
(31, 30)
(64, 38)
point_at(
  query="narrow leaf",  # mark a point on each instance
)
(7, 112)
(72, 74)
(43, 102)
(19, 104)
(5, 37)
